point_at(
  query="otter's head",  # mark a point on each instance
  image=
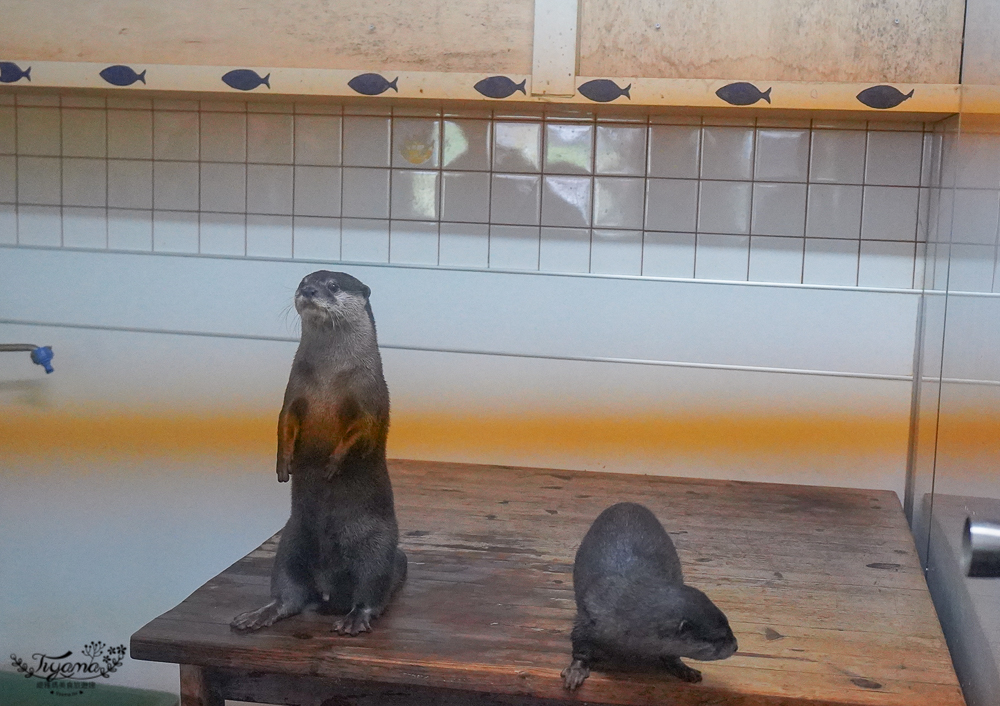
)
(688, 624)
(332, 298)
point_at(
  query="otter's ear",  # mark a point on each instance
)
(366, 290)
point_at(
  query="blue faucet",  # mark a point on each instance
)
(40, 355)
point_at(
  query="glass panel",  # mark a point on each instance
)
(955, 445)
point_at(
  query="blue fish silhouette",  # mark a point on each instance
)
(883, 97)
(11, 72)
(603, 90)
(372, 84)
(245, 79)
(499, 87)
(742, 93)
(119, 75)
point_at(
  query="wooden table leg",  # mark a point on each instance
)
(196, 688)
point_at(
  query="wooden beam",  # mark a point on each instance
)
(616, 92)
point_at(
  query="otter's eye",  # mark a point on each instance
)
(332, 286)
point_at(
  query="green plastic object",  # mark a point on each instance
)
(18, 690)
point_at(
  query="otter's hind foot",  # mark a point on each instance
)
(262, 617)
(681, 670)
(357, 621)
(575, 674)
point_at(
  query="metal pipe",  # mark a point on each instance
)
(981, 548)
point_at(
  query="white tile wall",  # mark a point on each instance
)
(564, 250)
(85, 227)
(776, 259)
(131, 229)
(8, 224)
(270, 236)
(616, 252)
(464, 245)
(569, 148)
(668, 254)
(8, 179)
(39, 225)
(319, 238)
(175, 231)
(271, 139)
(222, 234)
(365, 240)
(413, 243)
(668, 196)
(722, 256)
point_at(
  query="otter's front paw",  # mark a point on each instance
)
(256, 619)
(357, 621)
(575, 674)
(681, 670)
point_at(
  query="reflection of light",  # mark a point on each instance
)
(519, 138)
(569, 144)
(575, 155)
(425, 194)
(574, 191)
(455, 142)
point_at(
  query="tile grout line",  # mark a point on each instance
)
(489, 203)
(542, 142)
(17, 184)
(62, 179)
(593, 198)
(697, 218)
(392, 134)
(440, 184)
(152, 195)
(199, 178)
(107, 174)
(920, 195)
(645, 193)
(864, 191)
(753, 185)
(246, 172)
(805, 215)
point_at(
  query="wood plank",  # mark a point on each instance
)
(981, 45)
(822, 587)
(895, 41)
(434, 35)
(787, 40)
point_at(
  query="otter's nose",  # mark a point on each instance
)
(308, 291)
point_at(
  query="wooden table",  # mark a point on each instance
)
(822, 587)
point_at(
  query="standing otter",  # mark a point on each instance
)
(338, 549)
(632, 604)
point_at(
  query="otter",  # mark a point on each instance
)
(339, 549)
(632, 604)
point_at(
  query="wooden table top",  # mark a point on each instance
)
(822, 587)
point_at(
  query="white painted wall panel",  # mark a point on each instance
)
(802, 328)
